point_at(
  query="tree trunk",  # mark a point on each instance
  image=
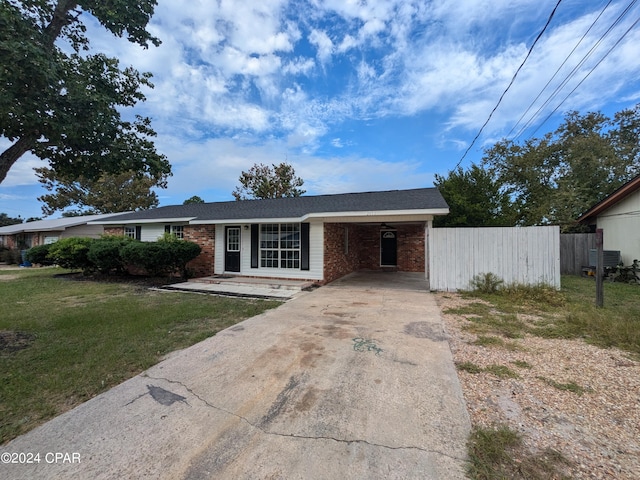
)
(14, 152)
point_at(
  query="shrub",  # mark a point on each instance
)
(10, 256)
(106, 254)
(72, 253)
(160, 258)
(39, 254)
(486, 283)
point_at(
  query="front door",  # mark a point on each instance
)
(232, 249)
(388, 248)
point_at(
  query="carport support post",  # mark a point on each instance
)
(599, 268)
(427, 240)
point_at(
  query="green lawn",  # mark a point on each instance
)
(64, 341)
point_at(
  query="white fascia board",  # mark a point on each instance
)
(380, 213)
(237, 221)
(321, 215)
(144, 221)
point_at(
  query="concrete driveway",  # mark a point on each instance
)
(351, 381)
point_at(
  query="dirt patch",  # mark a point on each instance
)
(425, 330)
(11, 342)
(8, 277)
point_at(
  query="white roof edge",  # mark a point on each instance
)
(380, 213)
(146, 220)
(195, 221)
(247, 220)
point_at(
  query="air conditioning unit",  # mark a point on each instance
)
(611, 258)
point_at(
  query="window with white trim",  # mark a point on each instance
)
(177, 230)
(130, 232)
(280, 245)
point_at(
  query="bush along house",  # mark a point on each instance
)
(316, 238)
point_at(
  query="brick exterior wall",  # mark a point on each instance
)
(363, 251)
(339, 259)
(205, 236)
(117, 231)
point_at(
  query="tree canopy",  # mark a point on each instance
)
(194, 199)
(556, 178)
(551, 180)
(6, 220)
(474, 200)
(262, 181)
(62, 102)
(110, 193)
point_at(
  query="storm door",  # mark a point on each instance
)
(232, 249)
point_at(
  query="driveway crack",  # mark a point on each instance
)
(302, 437)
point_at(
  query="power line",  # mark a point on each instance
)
(557, 71)
(588, 74)
(553, 12)
(573, 72)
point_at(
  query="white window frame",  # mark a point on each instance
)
(280, 245)
(130, 231)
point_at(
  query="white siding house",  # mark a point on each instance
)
(618, 216)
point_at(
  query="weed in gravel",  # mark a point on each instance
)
(497, 370)
(522, 364)
(497, 452)
(501, 371)
(569, 387)
(469, 367)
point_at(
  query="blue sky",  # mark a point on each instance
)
(357, 95)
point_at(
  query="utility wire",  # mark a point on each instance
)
(588, 74)
(557, 71)
(573, 73)
(553, 12)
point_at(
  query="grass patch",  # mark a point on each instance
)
(569, 313)
(498, 370)
(63, 342)
(501, 371)
(569, 387)
(522, 364)
(498, 453)
(469, 367)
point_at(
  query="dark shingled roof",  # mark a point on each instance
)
(296, 207)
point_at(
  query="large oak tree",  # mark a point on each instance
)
(110, 193)
(63, 102)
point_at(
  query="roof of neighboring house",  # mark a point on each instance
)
(420, 200)
(589, 217)
(53, 225)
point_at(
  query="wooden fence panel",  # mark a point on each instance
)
(574, 252)
(526, 255)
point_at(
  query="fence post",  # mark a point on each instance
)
(599, 268)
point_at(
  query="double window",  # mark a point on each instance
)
(280, 245)
(177, 230)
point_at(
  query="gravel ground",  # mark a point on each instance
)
(595, 425)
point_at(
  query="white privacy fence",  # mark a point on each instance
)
(525, 255)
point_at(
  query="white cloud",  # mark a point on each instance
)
(323, 44)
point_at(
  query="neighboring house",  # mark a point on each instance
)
(618, 216)
(30, 234)
(319, 238)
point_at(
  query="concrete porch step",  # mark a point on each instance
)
(252, 282)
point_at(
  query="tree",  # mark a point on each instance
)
(554, 179)
(474, 199)
(62, 103)
(262, 181)
(6, 220)
(122, 192)
(194, 199)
